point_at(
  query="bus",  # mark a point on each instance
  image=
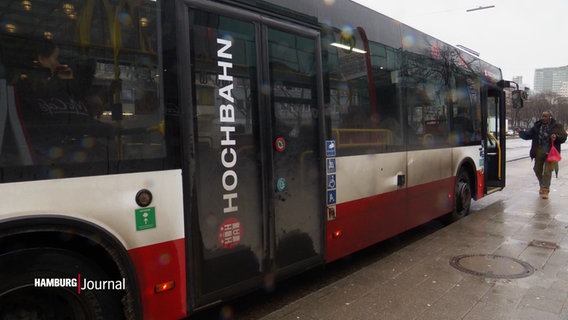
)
(159, 157)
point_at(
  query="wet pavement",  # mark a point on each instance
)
(507, 260)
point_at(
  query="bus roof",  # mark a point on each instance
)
(379, 27)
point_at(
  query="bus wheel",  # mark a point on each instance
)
(462, 197)
(43, 284)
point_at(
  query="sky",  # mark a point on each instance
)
(517, 36)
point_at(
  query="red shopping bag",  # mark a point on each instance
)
(553, 154)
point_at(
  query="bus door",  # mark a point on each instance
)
(255, 211)
(494, 139)
(294, 104)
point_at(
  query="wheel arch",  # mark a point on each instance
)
(78, 236)
(468, 165)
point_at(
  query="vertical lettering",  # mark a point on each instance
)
(226, 92)
(227, 44)
(227, 113)
(228, 164)
(227, 118)
(229, 174)
(224, 76)
(230, 208)
(227, 141)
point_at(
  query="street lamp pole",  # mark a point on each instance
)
(480, 8)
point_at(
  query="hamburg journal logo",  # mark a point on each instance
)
(81, 284)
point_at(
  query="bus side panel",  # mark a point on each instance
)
(363, 222)
(429, 201)
(480, 190)
(158, 264)
(375, 202)
(430, 183)
(158, 252)
(370, 202)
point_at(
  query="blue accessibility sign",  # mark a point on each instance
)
(331, 183)
(331, 197)
(331, 165)
(330, 148)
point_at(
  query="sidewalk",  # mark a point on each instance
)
(510, 259)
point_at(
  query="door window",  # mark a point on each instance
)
(295, 110)
(228, 163)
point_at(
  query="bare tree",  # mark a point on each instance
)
(540, 102)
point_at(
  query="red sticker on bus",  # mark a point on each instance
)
(230, 232)
(280, 144)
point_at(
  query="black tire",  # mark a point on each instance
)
(462, 196)
(21, 299)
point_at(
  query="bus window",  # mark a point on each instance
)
(427, 97)
(80, 98)
(385, 66)
(58, 108)
(365, 109)
(466, 113)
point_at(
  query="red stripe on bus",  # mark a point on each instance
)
(156, 264)
(364, 222)
(480, 184)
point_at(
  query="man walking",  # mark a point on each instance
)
(543, 133)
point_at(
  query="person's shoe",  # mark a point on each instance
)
(541, 191)
(544, 193)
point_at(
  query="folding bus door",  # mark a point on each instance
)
(494, 139)
(256, 210)
(227, 214)
(294, 100)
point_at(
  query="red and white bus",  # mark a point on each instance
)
(157, 157)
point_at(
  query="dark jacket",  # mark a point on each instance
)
(532, 134)
(56, 117)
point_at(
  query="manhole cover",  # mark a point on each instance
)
(492, 266)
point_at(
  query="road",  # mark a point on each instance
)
(517, 149)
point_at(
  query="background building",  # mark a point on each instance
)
(552, 80)
(518, 80)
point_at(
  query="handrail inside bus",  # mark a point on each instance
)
(353, 137)
(490, 135)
